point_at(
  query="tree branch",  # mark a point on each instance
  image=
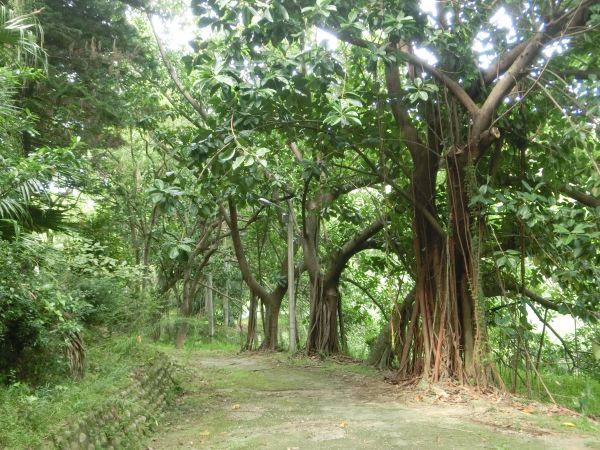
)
(232, 222)
(581, 197)
(174, 77)
(358, 243)
(521, 60)
(503, 63)
(411, 135)
(368, 294)
(452, 85)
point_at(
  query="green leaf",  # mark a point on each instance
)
(262, 151)
(227, 155)
(174, 253)
(238, 161)
(226, 79)
(267, 15)
(185, 247)
(283, 11)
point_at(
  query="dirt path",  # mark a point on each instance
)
(262, 401)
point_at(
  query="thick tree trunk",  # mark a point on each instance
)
(210, 306)
(343, 337)
(270, 300)
(445, 339)
(465, 280)
(182, 331)
(271, 341)
(325, 301)
(323, 334)
(393, 335)
(251, 336)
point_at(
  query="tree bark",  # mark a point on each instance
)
(182, 331)
(290, 274)
(209, 306)
(271, 300)
(251, 335)
(444, 337)
(323, 334)
(390, 341)
(226, 304)
(325, 300)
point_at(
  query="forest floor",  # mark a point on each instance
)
(271, 401)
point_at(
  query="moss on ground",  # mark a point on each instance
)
(273, 401)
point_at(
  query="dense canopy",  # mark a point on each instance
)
(416, 184)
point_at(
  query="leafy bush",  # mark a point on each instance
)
(33, 314)
(109, 291)
(48, 290)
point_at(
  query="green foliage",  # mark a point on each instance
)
(580, 393)
(29, 414)
(104, 142)
(20, 36)
(34, 315)
(107, 290)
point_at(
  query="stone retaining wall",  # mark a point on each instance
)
(127, 415)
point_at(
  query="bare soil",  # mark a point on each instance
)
(252, 401)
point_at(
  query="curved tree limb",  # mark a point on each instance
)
(521, 60)
(352, 247)
(503, 63)
(512, 288)
(232, 222)
(456, 89)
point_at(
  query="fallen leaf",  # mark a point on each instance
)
(205, 433)
(343, 424)
(528, 410)
(568, 424)
(236, 406)
(418, 398)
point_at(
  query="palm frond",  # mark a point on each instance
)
(9, 229)
(13, 209)
(30, 187)
(43, 219)
(33, 219)
(22, 35)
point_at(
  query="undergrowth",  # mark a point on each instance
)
(29, 415)
(578, 392)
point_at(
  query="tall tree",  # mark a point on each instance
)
(452, 121)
